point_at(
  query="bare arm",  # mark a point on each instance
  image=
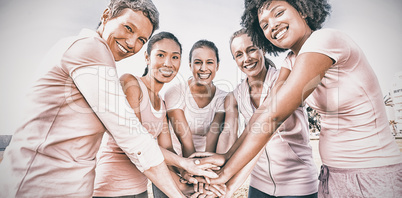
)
(133, 92)
(214, 132)
(161, 177)
(239, 178)
(308, 71)
(164, 138)
(229, 133)
(182, 130)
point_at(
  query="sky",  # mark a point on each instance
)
(30, 28)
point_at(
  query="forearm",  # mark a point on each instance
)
(162, 178)
(239, 178)
(255, 136)
(172, 159)
(212, 140)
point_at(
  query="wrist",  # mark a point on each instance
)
(183, 163)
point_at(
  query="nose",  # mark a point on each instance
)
(168, 62)
(272, 23)
(247, 57)
(131, 42)
(203, 67)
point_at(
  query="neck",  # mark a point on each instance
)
(258, 80)
(296, 48)
(152, 84)
(200, 88)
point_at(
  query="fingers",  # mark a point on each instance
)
(201, 154)
(221, 189)
(207, 180)
(202, 195)
(207, 173)
(219, 180)
(217, 160)
(195, 195)
(187, 178)
(204, 165)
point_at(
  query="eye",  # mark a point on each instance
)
(160, 55)
(128, 28)
(238, 55)
(264, 26)
(143, 41)
(279, 13)
(197, 62)
(253, 50)
(210, 62)
(175, 57)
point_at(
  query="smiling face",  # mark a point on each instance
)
(283, 25)
(204, 65)
(164, 60)
(248, 57)
(126, 33)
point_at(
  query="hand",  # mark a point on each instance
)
(204, 193)
(223, 177)
(195, 167)
(209, 158)
(218, 190)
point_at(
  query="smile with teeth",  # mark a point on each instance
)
(121, 48)
(204, 76)
(250, 66)
(280, 34)
(166, 72)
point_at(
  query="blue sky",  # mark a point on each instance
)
(30, 28)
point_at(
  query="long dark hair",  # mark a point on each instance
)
(157, 37)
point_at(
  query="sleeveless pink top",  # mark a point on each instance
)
(115, 174)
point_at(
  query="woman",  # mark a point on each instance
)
(53, 153)
(274, 174)
(195, 108)
(360, 157)
(115, 175)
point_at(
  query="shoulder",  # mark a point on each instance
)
(130, 84)
(128, 78)
(220, 93)
(328, 36)
(174, 96)
(330, 42)
(174, 89)
(240, 89)
(89, 48)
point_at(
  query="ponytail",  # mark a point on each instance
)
(146, 71)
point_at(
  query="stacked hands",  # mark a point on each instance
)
(203, 175)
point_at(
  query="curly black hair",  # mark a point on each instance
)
(316, 11)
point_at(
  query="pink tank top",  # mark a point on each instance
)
(115, 174)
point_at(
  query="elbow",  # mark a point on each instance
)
(266, 124)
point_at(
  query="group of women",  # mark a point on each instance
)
(188, 144)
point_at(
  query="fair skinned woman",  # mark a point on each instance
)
(270, 176)
(195, 108)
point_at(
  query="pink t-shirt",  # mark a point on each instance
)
(115, 174)
(53, 154)
(199, 119)
(286, 166)
(354, 125)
